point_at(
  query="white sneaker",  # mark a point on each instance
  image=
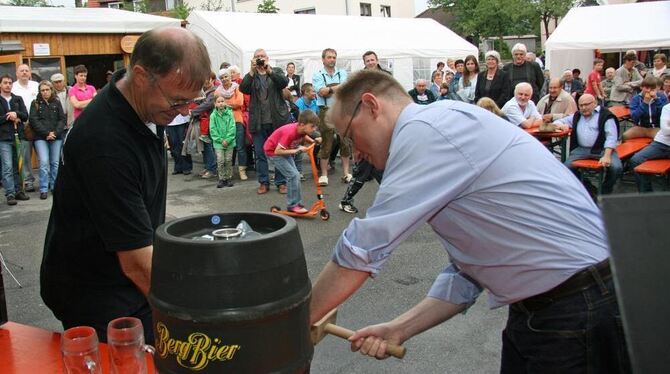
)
(323, 180)
(346, 178)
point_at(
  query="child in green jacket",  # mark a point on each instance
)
(222, 130)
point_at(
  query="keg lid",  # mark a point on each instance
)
(227, 233)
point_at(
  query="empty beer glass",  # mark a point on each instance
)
(79, 346)
(125, 342)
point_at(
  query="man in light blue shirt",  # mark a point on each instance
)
(307, 99)
(326, 82)
(521, 110)
(594, 136)
(513, 220)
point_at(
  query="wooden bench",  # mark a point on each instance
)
(660, 167)
(624, 152)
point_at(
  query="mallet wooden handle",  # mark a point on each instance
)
(392, 349)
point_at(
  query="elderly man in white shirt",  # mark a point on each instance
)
(521, 110)
(27, 89)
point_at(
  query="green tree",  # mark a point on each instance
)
(267, 6)
(35, 3)
(182, 10)
(548, 10)
(213, 5)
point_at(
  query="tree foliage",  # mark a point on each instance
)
(35, 3)
(548, 10)
(182, 10)
(213, 5)
(267, 6)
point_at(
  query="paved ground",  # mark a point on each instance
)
(467, 344)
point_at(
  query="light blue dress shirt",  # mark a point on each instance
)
(513, 219)
(322, 79)
(300, 103)
(587, 129)
(514, 113)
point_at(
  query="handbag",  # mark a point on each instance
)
(28, 132)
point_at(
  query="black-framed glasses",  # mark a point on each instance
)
(345, 134)
(174, 105)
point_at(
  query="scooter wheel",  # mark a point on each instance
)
(324, 214)
(275, 209)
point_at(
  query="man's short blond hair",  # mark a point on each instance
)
(375, 82)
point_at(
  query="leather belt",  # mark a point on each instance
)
(576, 283)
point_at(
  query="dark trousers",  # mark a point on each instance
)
(176, 135)
(578, 333)
(363, 172)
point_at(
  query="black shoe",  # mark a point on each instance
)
(230, 184)
(22, 196)
(29, 188)
(222, 183)
(186, 172)
(348, 207)
(43, 195)
(11, 200)
(176, 172)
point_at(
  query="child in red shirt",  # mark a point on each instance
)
(280, 148)
(593, 81)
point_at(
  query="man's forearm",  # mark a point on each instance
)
(333, 286)
(426, 314)
(136, 265)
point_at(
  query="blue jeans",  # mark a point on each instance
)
(612, 173)
(176, 135)
(651, 152)
(262, 172)
(208, 157)
(27, 149)
(240, 146)
(10, 172)
(578, 333)
(286, 166)
(49, 154)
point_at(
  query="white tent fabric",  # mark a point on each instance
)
(78, 20)
(608, 28)
(234, 37)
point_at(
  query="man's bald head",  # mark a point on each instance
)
(587, 103)
(172, 49)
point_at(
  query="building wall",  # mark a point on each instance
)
(399, 8)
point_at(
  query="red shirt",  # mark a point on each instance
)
(594, 76)
(287, 136)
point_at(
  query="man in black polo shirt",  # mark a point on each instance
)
(110, 192)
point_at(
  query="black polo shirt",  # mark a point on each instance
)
(109, 196)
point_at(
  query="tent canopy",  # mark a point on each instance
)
(608, 27)
(78, 20)
(234, 37)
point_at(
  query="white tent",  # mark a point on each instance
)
(78, 20)
(609, 28)
(234, 37)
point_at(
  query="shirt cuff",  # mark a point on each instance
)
(455, 287)
(355, 258)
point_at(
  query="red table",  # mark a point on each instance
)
(560, 136)
(26, 350)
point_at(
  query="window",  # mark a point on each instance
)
(385, 10)
(366, 10)
(422, 69)
(118, 5)
(305, 11)
(43, 68)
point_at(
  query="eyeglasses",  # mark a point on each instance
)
(174, 105)
(345, 134)
(582, 105)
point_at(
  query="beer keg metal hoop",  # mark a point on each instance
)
(227, 233)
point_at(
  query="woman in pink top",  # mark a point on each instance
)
(80, 93)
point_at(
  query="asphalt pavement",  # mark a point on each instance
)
(468, 343)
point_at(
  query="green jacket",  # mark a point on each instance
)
(222, 127)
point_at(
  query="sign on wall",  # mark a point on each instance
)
(41, 49)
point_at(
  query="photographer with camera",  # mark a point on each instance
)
(267, 112)
(326, 82)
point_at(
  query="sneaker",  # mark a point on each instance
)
(29, 188)
(298, 209)
(22, 196)
(262, 189)
(348, 207)
(202, 172)
(43, 195)
(302, 177)
(186, 172)
(282, 189)
(11, 200)
(208, 175)
(222, 183)
(230, 183)
(323, 180)
(346, 178)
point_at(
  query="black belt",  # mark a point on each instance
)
(576, 283)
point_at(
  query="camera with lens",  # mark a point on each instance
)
(260, 62)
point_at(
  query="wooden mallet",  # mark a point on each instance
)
(327, 326)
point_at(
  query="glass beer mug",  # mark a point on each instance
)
(79, 346)
(125, 342)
